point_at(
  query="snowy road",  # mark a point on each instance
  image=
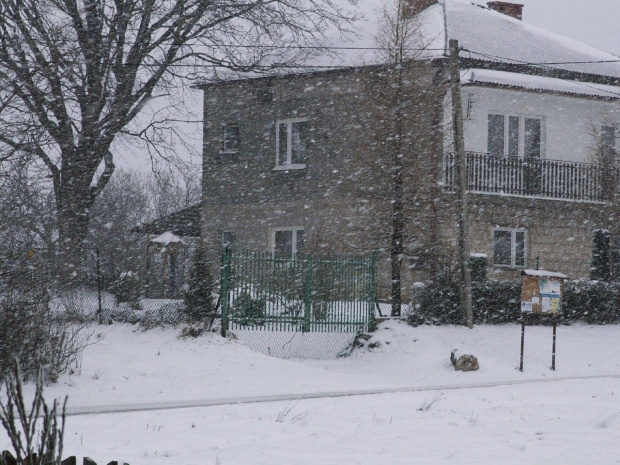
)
(181, 404)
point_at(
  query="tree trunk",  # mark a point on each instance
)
(74, 199)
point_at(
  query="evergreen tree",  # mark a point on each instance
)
(199, 295)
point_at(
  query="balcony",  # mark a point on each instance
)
(527, 177)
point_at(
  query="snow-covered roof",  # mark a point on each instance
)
(538, 83)
(493, 36)
(483, 34)
(544, 274)
(167, 238)
(487, 35)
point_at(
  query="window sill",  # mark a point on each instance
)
(510, 267)
(299, 166)
(228, 152)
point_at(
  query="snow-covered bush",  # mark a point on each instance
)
(594, 302)
(249, 310)
(127, 289)
(496, 302)
(172, 313)
(199, 304)
(31, 333)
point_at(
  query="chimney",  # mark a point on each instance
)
(413, 7)
(514, 10)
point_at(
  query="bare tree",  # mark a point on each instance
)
(27, 221)
(604, 153)
(75, 73)
(400, 46)
(170, 191)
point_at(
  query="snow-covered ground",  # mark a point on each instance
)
(494, 415)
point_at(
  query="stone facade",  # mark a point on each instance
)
(341, 195)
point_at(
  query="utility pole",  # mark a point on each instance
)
(460, 164)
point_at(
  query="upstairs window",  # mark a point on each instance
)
(264, 94)
(515, 136)
(510, 248)
(291, 143)
(231, 139)
(287, 242)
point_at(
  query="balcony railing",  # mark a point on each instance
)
(552, 179)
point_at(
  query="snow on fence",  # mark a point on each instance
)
(85, 304)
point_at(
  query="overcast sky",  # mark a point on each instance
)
(595, 22)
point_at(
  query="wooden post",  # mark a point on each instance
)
(460, 163)
(553, 347)
(522, 340)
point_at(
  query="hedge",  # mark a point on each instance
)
(497, 302)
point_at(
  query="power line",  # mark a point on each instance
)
(541, 63)
(318, 47)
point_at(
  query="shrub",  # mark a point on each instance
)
(35, 433)
(199, 295)
(172, 313)
(127, 289)
(439, 304)
(497, 302)
(248, 310)
(32, 334)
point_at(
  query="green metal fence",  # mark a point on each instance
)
(306, 293)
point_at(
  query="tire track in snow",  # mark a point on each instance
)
(181, 404)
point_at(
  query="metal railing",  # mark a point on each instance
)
(553, 179)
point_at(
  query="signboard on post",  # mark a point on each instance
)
(541, 292)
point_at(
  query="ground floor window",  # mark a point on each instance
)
(229, 239)
(510, 247)
(287, 241)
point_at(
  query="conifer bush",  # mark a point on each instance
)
(198, 297)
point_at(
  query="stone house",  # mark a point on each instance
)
(304, 161)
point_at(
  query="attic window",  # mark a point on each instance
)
(264, 94)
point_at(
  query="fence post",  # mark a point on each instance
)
(308, 294)
(226, 256)
(373, 291)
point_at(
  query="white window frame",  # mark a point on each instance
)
(521, 143)
(272, 237)
(287, 165)
(513, 247)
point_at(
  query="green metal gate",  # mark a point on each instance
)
(306, 293)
